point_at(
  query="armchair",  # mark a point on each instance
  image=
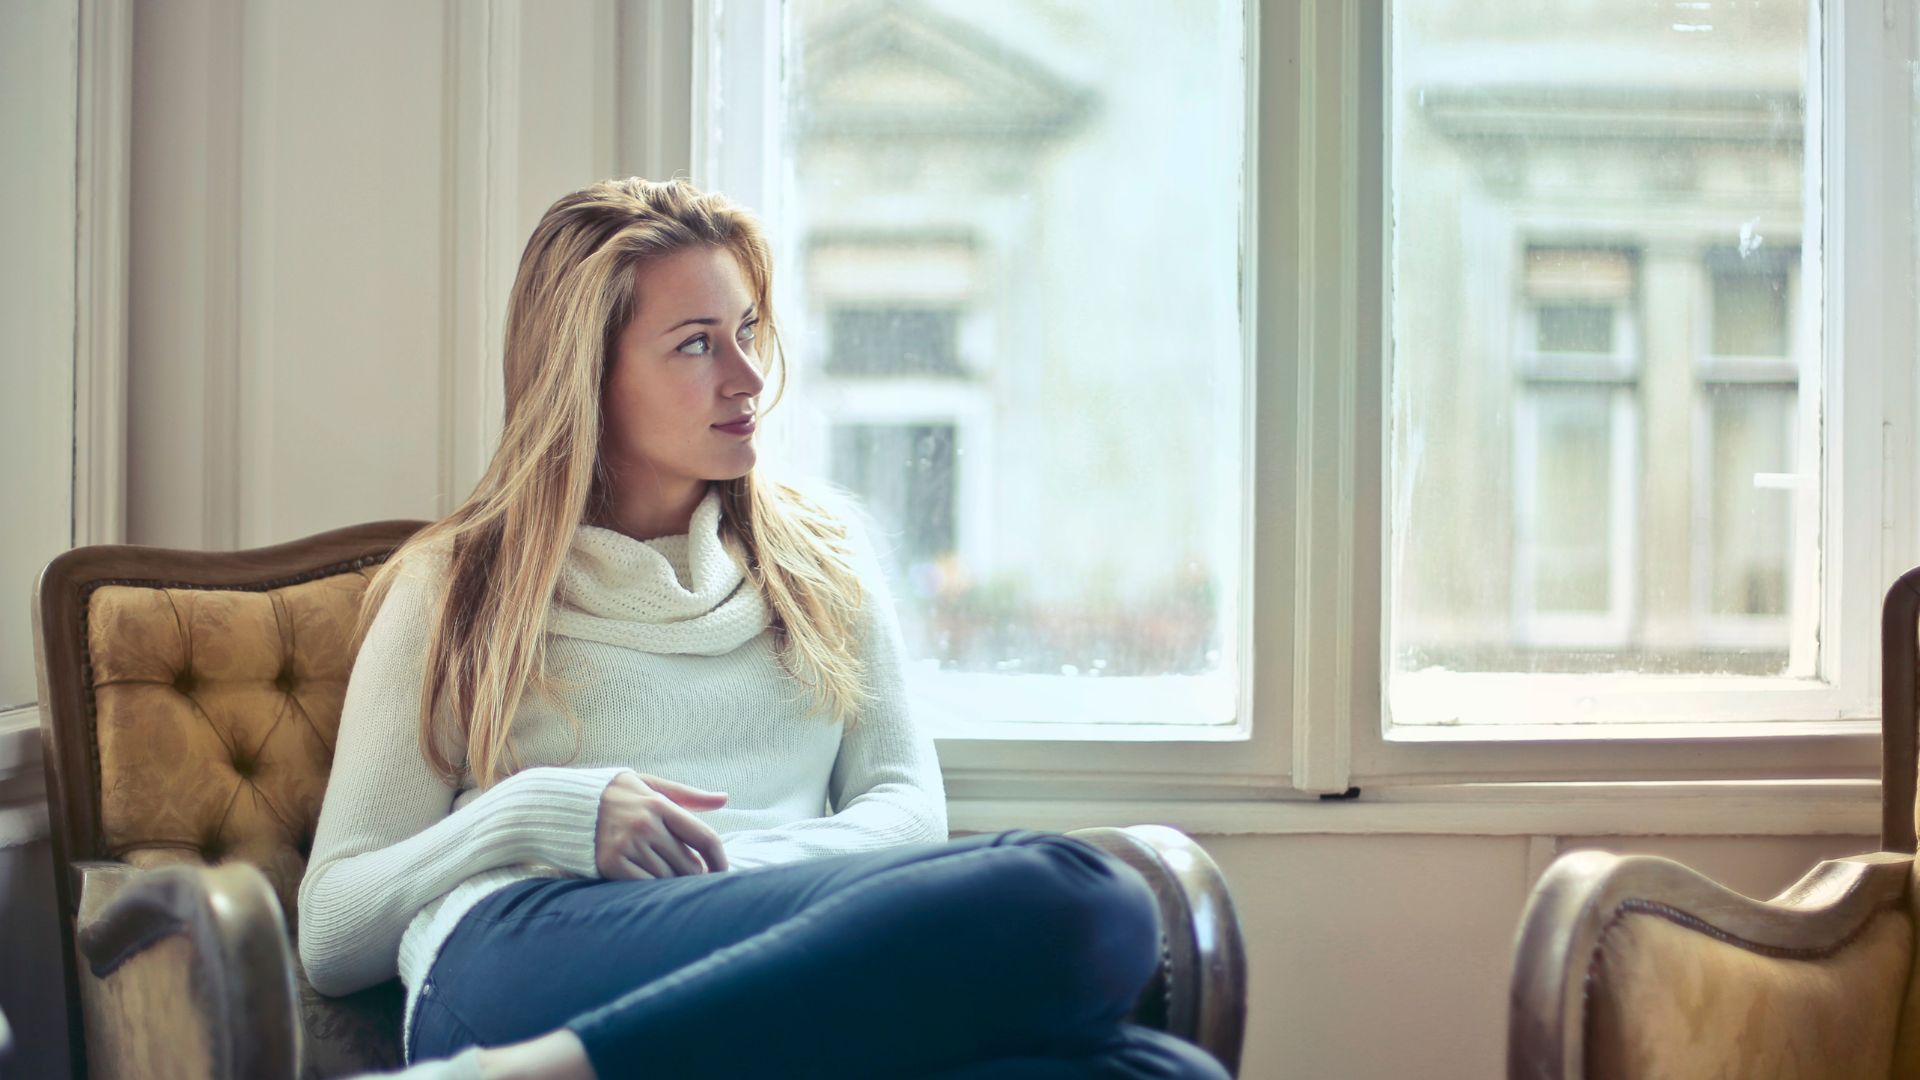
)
(189, 702)
(1632, 967)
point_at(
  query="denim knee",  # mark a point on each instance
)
(1093, 913)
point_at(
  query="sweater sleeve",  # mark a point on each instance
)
(885, 789)
(389, 841)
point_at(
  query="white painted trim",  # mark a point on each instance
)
(738, 111)
(254, 471)
(1747, 808)
(1326, 398)
(655, 84)
(101, 251)
(222, 291)
(22, 825)
(484, 237)
(19, 740)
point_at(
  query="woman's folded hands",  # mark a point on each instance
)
(647, 829)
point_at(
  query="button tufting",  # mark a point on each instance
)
(185, 682)
(243, 765)
(284, 680)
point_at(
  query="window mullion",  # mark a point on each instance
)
(1329, 564)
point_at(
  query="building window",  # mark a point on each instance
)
(1576, 449)
(1749, 399)
(883, 340)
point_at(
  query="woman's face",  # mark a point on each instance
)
(685, 364)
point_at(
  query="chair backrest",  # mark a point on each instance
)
(189, 702)
(1899, 695)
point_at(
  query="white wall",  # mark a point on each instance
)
(38, 110)
(1387, 956)
(314, 336)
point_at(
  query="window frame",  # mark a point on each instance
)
(1312, 299)
(1810, 730)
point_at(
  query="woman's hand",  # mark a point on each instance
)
(646, 830)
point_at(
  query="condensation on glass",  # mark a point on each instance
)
(1604, 340)
(1013, 242)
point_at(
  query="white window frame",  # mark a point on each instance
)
(1779, 726)
(1315, 720)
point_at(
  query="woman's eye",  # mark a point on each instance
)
(697, 339)
(747, 331)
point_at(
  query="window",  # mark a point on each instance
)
(1638, 183)
(980, 341)
(1522, 431)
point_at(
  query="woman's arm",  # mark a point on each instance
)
(388, 842)
(886, 788)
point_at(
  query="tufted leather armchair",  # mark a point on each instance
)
(1635, 966)
(189, 702)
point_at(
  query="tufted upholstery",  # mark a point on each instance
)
(215, 712)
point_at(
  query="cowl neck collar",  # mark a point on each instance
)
(683, 593)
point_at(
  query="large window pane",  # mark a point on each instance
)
(1598, 340)
(1017, 238)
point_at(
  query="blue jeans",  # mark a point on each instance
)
(1011, 956)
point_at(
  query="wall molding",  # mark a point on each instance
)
(654, 80)
(101, 274)
(481, 250)
(221, 441)
(256, 250)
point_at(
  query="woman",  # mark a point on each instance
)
(598, 711)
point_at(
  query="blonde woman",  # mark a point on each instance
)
(626, 783)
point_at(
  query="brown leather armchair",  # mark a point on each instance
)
(1634, 967)
(189, 702)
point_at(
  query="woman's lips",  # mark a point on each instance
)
(738, 427)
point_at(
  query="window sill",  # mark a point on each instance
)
(1644, 731)
(23, 808)
(1646, 808)
(19, 740)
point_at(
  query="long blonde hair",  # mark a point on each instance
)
(504, 546)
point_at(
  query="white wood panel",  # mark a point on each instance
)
(343, 225)
(1375, 956)
(179, 348)
(39, 60)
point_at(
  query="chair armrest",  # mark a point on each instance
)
(1200, 991)
(187, 972)
(1588, 899)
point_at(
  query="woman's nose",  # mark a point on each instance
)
(745, 371)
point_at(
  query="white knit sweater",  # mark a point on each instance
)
(670, 667)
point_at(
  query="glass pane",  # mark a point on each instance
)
(905, 473)
(1752, 436)
(1573, 179)
(893, 340)
(1750, 302)
(1016, 303)
(1571, 512)
(1574, 328)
